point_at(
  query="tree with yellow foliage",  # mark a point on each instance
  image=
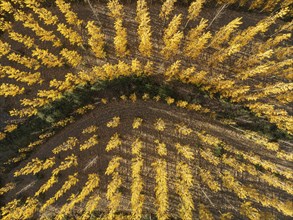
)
(204, 212)
(137, 123)
(183, 184)
(72, 57)
(4, 48)
(7, 89)
(113, 143)
(161, 189)
(48, 59)
(144, 28)
(70, 16)
(70, 34)
(194, 10)
(26, 40)
(160, 125)
(223, 35)
(113, 195)
(114, 122)
(35, 166)
(249, 211)
(96, 40)
(172, 37)
(120, 40)
(167, 8)
(173, 71)
(116, 9)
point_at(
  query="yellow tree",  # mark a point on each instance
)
(113, 194)
(116, 9)
(120, 40)
(223, 35)
(70, 16)
(184, 183)
(96, 40)
(194, 47)
(4, 48)
(144, 28)
(172, 37)
(161, 189)
(72, 57)
(10, 90)
(173, 71)
(194, 10)
(167, 8)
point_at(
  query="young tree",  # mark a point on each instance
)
(223, 35)
(172, 37)
(96, 40)
(167, 8)
(120, 40)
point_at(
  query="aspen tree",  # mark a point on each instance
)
(114, 142)
(144, 28)
(173, 71)
(167, 8)
(4, 48)
(204, 213)
(250, 212)
(67, 145)
(43, 13)
(7, 187)
(6, 6)
(196, 40)
(112, 194)
(92, 141)
(223, 35)
(160, 124)
(184, 183)
(21, 76)
(172, 37)
(71, 56)
(96, 40)
(270, 5)
(29, 22)
(26, 40)
(252, 61)
(47, 58)
(114, 122)
(35, 166)
(120, 40)
(71, 35)
(137, 198)
(208, 179)
(194, 47)
(70, 16)
(116, 9)
(272, 43)
(256, 4)
(194, 10)
(5, 25)
(28, 62)
(7, 89)
(161, 189)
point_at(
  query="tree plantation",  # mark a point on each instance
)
(141, 109)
